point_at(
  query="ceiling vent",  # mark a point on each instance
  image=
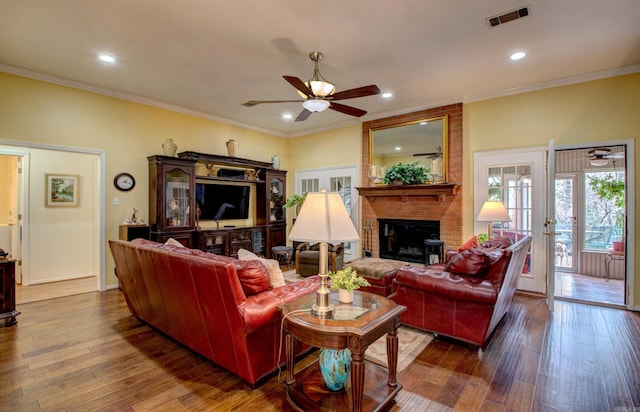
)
(509, 16)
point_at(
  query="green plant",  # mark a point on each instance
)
(347, 279)
(408, 173)
(482, 237)
(609, 188)
(295, 200)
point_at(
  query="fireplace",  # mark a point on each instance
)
(404, 239)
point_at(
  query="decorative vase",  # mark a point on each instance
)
(169, 148)
(335, 365)
(275, 162)
(345, 296)
(232, 147)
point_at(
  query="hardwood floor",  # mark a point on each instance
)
(51, 290)
(589, 288)
(86, 353)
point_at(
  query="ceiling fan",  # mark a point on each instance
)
(600, 157)
(318, 94)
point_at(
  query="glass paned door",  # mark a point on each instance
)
(566, 223)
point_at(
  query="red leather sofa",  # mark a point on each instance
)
(216, 305)
(463, 306)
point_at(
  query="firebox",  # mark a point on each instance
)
(404, 239)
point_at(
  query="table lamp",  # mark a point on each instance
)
(493, 211)
(323, 219)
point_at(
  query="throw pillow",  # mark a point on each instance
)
(473, 242)
(276, 277)
(474, 261)
(173, 242)
(497, 242)
(253, 276)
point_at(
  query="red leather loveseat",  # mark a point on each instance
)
(464, 306)
(223, 308)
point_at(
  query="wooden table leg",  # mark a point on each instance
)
(290, 344)
(357, 380)
(392, 356)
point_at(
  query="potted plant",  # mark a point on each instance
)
(346, 281)
(405, 174)
(295, 200)
(609, 188)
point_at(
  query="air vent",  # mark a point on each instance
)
(509, 16)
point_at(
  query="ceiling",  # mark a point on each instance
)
(207, 57)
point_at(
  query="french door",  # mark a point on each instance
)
(518, 179)
(340, 180)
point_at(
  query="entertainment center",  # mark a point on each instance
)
(218, 204)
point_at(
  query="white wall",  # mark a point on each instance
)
(63, 242)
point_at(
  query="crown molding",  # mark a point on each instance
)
(581, 78)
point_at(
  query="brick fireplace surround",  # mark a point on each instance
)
(447, 210)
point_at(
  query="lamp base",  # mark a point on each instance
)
(322, 311)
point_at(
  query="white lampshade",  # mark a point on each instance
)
(493, 211)
(321, 88)
(315, 105)
(323, 218)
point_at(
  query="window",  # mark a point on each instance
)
(603, 208)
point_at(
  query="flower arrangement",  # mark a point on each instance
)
(347, 279)
(408, 174)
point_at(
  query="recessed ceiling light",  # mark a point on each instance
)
(287, 116)
(398, 148)
(106, 58)
(386, 95)
(517, 55)
(423, 123)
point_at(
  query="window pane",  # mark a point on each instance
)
(603, 209)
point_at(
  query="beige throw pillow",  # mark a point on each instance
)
(172, 242)
(273, 267)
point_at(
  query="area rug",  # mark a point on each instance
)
(410, 343)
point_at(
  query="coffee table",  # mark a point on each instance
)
(353, 326)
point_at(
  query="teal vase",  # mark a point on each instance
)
(334, 367)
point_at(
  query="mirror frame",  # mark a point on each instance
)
(444, 142)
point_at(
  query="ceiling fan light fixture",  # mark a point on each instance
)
(322, 88)
(316, 105)
(599, 162)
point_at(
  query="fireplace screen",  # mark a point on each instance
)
(405, 239)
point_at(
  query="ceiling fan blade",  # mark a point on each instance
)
(303, 115)
(252, 103)
(299, 84)
(343, 108)
(357, 92)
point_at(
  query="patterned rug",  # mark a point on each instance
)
(410, 343)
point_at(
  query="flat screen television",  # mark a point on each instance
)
(222, 202)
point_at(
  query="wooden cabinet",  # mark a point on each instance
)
(130, 232)
(172, 202)
(8, 310)
(171, 198)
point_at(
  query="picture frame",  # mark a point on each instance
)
(62, 190)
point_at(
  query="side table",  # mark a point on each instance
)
(8, 310)
(612, 255)
(353, 326)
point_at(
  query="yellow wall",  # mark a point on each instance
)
(595, 111)
(6, 183)
(44, 113)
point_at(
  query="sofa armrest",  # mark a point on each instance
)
(262, 308)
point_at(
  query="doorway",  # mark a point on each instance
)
(590, 222)
(56, 245)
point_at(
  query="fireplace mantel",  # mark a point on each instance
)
(438, 190)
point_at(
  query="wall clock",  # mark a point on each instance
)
(124, 182)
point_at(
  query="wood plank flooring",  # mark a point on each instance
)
(86, 353)
(51, 290)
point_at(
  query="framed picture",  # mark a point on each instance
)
(62, 190)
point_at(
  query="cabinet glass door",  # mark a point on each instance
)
(276, 200)
(177, 199)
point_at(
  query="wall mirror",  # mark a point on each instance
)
(423, 141)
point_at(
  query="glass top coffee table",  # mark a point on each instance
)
(353, 326)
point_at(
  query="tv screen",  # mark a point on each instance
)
(222, 202)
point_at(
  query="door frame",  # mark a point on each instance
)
(631, 210)
(20, 148)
